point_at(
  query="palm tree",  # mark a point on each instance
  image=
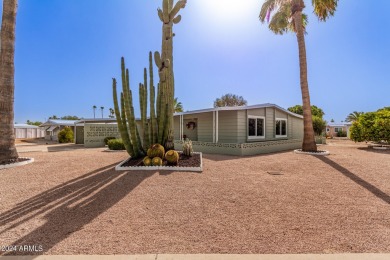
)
(112, 113)
(178, 106)
(8, 153)
(102, 108)
(94, 109)
(354, 116)
(289, 17)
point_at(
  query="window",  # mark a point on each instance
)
(256, 127)
(337, 129)
(327, 130)
(280, 127)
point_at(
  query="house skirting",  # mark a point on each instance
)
(244, 148)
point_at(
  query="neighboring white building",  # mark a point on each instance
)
(28, 131)
(54, 126)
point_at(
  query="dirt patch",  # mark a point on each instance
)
(74, 202)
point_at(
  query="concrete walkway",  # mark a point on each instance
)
(207, 257)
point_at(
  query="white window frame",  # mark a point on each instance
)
(281, 119)
(255, 137)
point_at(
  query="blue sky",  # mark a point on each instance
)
(67, 52)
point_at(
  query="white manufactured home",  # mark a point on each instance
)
(241, 130)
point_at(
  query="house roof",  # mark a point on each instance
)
(342, 124)
(238, 108)
(51, 122)
(96, 120)
(25, 126)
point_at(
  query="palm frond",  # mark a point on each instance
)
(280, 22)
(324, 8)
(268, 6)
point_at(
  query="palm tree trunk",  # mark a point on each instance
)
(309, 143)
(8, 151)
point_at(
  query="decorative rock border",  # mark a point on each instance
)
(27, 161)
(113, 151)
(380, 147)
(119, 167)
(299, 151)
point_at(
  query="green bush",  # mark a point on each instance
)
(372, 126)
(66, 135)
(319, 125)
(341, 133)
(107, 139)
(115, 144)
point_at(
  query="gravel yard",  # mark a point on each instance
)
(74, 202)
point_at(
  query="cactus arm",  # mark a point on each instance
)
(157, 60)
(125, 130)
(146, 143)
(165, 11)
(160, 14)
(177, 19)
(153, 124)
(129, 110)
(179, 5)
(121, 123)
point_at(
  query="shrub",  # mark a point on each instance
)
(116, 144)
(341, 134)
(107, 139)
(319, 125)
(66, 135)
(372, 126)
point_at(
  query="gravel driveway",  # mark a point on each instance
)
(74, 202)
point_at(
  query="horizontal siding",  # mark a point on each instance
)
(176, 127)
(205, 127)
(227, 127)
(280, 114)
(241, 126)
(297, 128)
(270, 123)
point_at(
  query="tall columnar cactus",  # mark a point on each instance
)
(125, 116)
(152, 120)
(166, 90)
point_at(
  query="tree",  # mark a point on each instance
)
(177, 105)
(102, 108)
(352, 117)
(53, 117)
(289, 17)
(94, 109)
(319, 125)
(70, 118)
(315, 111)
(8, 153)
(37, 123)
(230, 100)
(372, 126)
